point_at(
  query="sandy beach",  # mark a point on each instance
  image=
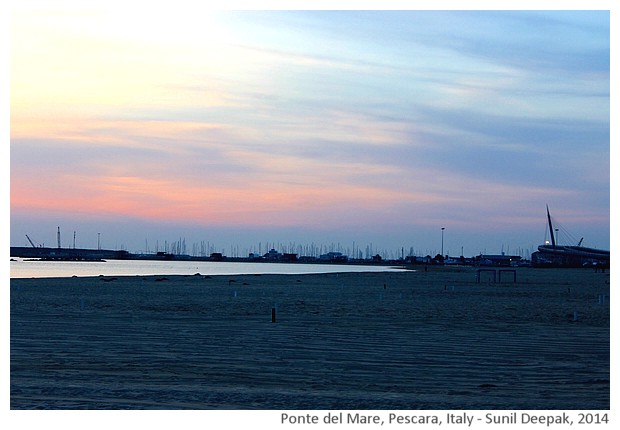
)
(436, 339)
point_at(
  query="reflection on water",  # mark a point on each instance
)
(22, 268)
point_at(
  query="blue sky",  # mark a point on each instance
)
(243, 127)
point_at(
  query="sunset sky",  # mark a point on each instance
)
(142, 126)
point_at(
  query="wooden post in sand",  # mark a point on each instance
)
(273, 315)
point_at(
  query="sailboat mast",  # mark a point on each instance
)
(550, 227)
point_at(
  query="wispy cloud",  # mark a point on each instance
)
(307, 119)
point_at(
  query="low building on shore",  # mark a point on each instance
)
(497, 260)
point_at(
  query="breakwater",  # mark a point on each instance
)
(72, 254)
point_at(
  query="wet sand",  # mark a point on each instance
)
(414, 340)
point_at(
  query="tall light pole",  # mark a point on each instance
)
(442, 229)
(98, 240)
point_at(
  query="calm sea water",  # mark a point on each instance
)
(21, 268)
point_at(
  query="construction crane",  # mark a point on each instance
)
(31, 242)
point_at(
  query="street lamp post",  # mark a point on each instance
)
(442, 229)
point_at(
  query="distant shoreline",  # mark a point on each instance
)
(83, 254)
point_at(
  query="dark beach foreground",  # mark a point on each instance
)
(415, 340)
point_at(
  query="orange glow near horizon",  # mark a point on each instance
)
(251, 203)
(169, 200)
(305, 119)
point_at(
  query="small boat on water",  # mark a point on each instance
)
(554, 255)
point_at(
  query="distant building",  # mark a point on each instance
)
(217, 256)
(418, 260)
(288, 257)
(272, 255)
(334, 257)
(497, 260)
